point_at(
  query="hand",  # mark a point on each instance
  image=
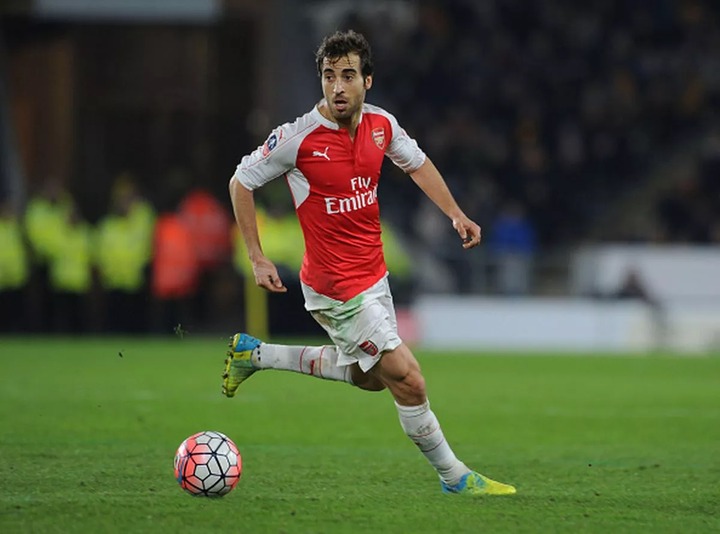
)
(468, 231)
(266, 276)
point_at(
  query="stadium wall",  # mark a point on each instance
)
(674, 305)
(669, 273)
(531, 324)
(563, 324)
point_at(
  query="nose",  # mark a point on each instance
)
(338, 87)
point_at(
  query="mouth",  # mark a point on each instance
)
(340, 104)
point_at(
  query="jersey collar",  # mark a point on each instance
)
(327, 122)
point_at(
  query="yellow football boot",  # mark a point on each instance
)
(238, 364)
(476, 484)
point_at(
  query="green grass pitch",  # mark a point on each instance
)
(89, 428)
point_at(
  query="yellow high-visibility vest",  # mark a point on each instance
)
(397, 258)
(70, 268)
(45, 224)
(13, 255)
(282, 242)
(120, 256)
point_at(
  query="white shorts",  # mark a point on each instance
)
(362, 328)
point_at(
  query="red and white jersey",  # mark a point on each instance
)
(334, 180)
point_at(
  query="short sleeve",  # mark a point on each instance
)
(403, 150)
(273, 158)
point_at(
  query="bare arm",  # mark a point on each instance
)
(429, 179)
(243, 202)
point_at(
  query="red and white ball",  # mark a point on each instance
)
(208, 464)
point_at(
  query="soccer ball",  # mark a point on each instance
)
(208, 464)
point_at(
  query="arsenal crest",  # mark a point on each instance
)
(378, 135)
(369, 348)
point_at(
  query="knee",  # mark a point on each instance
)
(410, 389)
(400, 372)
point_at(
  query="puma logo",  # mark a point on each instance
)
(322, 154)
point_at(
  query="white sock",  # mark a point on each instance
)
(315, 361)
(421, 426)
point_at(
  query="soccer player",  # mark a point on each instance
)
(331, 159)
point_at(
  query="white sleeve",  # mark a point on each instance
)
(403, 150)
(273, 158)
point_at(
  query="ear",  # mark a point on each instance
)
(368, 82)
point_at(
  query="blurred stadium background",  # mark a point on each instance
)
(584, 138)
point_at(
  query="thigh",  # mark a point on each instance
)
(362, 334)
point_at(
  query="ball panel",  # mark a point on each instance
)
(199, 448)
(233, 471)
(223, 463)
(233, 448)
(188, 466)
(215, 443)
(202, 472)
(191, 483)
(202, 456)
(213, 483)
(203, 437)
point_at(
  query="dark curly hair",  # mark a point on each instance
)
(340, 44)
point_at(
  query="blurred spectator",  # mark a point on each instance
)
(70, 276)
(126, 197)
(512, 244)
(175, 274)
(14, 269)
(210, 225)
(46, 219)
(123, 250)
(282, 240)
(399, 264)
(633, 287)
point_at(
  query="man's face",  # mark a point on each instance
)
(344, 86)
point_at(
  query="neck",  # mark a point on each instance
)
(349, 124)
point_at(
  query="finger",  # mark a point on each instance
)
(275, 289)
(266, 282)
(471, 240)
(460, 229)
(275, 284)
(465, 233)
(272, 288)
(278, 284)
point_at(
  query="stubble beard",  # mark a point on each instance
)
(346, 116)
